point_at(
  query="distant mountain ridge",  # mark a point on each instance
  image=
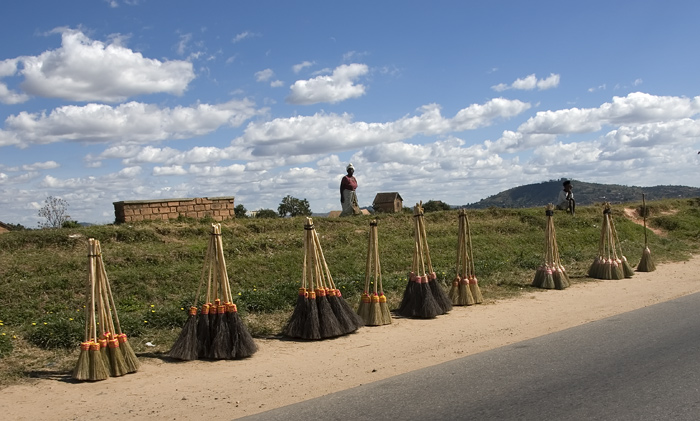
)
(540, 194)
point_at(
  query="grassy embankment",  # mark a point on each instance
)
(155, 268)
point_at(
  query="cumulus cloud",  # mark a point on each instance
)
(301, 66)
(264, 75)
(529, 83)
(637, 108)
(83, 69)
(132, 122)
(337, 87)
(244, 35)
(323, 133)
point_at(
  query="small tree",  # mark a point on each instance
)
(294, 207)
(266, 213)
(55, 211)
(240, 211)
(435, 205)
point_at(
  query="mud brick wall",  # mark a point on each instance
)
(219, 208)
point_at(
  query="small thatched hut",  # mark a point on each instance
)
(388, 202)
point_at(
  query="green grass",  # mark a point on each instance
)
(155, 267)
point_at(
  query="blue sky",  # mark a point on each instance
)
(102, 101)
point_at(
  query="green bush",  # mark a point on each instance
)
(5, 345)
(166, 317)
(56, 332)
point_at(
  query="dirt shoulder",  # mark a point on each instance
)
(285, 372)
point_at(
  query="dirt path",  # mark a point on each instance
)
(284, 372)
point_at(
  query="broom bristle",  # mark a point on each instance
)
(594, 270)
(429, 307)
(384, 307)
(203, 338)
(311, 324)
(363, 307)
(627, 268)
(406, 308)
(454, 292)
(82, 367)
(441, 298)
(132, 362)
(98, 369)
(185, 346)
(646, 264)
(355, 320)
(347, 324)
(243, 344)
(117, 364)
(295, 324)
(375, 312)
(616, 271)
(538, 279)
(328, 323)
(548, 282)
(103, 351)
(561, 281)
(475, 290)
(221, 344)
(465, 295)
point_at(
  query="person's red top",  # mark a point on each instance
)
(348, 183)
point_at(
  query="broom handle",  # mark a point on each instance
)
(224, 271)
(91, 262)
(644, 213)
(317, 242)
(419, 244)
(105, 310)
(470, 254)
(368, 264)
(310, 250)
(93, 332)
(375, 254)
(379, 285)
(203, 273)
(108, 290)
(459, 242)
(425, 242)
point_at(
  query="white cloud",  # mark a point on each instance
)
(334, 88)
(132, 122)
(276, 84)
(301, 66)
(530, 82)
(47, 165)
(264, 75)
(244, 35)
(87, 70)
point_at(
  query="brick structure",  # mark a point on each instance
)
(219, 208)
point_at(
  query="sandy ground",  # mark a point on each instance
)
(285, 372)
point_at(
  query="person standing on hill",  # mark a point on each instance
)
(348, 198)
(565, 200)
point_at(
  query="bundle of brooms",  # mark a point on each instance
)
(373, 308)
(551, 274)
(423, 297)
(218, 332)
(321, 312)
(609, 264)
(646, 264)
(110, 353)
(465, 289)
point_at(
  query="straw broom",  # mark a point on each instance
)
(304, 322)
(622, 262)
(418, 300)
(97, 370)
(646, 264)
(384, 313)
(460, 293)
(439, 294)
(82, 368)
(551, 274)
(349, 320)
(186, 346)
(365, 299)
(473, 282)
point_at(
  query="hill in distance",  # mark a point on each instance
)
(541, 194)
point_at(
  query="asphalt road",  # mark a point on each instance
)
(641, 365)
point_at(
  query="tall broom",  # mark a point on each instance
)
(646, 264)
(82, 368)
(115, 357)
(365, 299)
(97, 370)
(187, 345)
(303, 323)
(349, 320)
(418, 300)
(551, 274)
(627, 269)
(376, 315)
(131, 362)
(384, 313)
(439, 294)
(460, 293)
(473, 282)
